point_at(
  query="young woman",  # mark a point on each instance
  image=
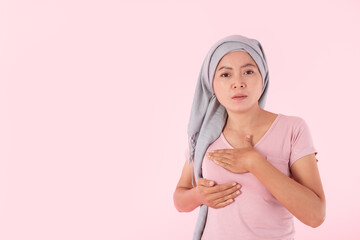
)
(249, 170)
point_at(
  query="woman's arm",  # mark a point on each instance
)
(185, 197)
(303, 197)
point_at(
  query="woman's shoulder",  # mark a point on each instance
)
(284, 118)
(294, 122)
(292, 118)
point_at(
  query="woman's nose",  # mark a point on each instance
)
(239, 83)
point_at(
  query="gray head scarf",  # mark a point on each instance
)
(208, 116)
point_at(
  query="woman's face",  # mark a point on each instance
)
(237, 73)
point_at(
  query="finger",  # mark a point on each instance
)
(220, 191)
(224, 204)
(222, 163)
(228, 196)
(232, 186)
(221, 150)
(220, 153)
(226, 166)
(228, 191)
(218, 156)
(223, 159)
(206, 183)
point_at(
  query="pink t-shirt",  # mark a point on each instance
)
(256, 213)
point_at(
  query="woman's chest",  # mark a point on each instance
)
(250, 184)
(276, 151)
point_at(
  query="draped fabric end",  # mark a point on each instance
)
(192, 145)
(199, 229)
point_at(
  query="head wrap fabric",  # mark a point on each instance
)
(208, 116)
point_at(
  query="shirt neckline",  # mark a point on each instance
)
(261, 139)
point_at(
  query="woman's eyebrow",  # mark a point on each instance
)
(246, 65)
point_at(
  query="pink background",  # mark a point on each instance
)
(95, 98)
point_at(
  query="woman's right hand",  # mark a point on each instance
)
(217, 196)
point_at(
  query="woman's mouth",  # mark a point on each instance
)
(240, 98)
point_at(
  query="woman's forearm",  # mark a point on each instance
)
(302, 202)
(186, 199)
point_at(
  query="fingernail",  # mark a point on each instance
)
(238, 186)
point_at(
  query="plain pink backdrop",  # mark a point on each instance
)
(95, 97)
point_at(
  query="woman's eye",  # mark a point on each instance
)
(222, 75)
(249, 72)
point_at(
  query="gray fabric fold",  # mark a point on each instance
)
(208, 116)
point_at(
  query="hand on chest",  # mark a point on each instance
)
(251, 186)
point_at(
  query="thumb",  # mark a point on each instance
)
(205, 182)
(211, 183)
(248, 139)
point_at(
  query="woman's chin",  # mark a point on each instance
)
(240, 108)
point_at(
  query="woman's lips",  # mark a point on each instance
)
(238, 99)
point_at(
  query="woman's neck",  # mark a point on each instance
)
(245, 121)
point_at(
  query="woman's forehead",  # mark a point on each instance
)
(238, 57)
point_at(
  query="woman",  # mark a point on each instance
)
(249, 170)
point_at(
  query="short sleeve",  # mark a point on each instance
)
(301, 142)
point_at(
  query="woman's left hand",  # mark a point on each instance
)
(235, 160)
